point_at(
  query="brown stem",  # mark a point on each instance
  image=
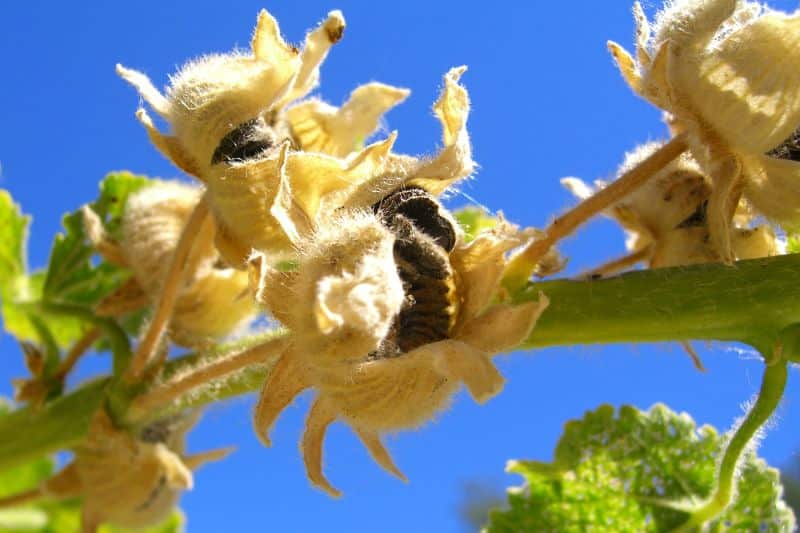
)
(621, 263)
(521, 267)
(22, 498)
(75, 353)
(169, 292)
(166, 393)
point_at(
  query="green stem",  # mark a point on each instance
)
(749, 302)
(772, 387)
(28, 434)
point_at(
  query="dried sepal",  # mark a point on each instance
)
(320, 127)
(722, 70)
(47, 381)
(268, 203)
(125, 479)
(434, 174)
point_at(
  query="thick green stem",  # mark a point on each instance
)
(772, 387)
(750, 302)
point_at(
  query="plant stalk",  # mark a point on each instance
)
(750, 302)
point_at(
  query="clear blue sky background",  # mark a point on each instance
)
(547, 103)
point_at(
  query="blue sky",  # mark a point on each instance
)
(547, 103)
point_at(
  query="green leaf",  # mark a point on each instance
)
(71, 276)
(793, 244)
(473, 220)
(637, 471)
(114, 192)
(13, 238)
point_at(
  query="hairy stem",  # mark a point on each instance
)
(522, 266)
(156, 399)
(750, 302)
(772, 387)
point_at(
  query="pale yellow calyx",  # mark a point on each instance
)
(454, 162)
(367, 299)
(272, 203)
(774, 189)
(320, 127)
(347, 278)
(434, 174)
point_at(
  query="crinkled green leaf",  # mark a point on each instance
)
(71, 276)
(473, 220)
(23, 318)
(623, 471)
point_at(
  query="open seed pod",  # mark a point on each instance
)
(389, 312)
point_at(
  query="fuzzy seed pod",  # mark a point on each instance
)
(724, 71)
(666, 219)
(345, 293)
(126, 480)
(214, 301)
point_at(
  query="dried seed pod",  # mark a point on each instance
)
(230, 116)
(666, 219)
(410, 322)
(213, 303)
(127, 480)
(723, 71)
